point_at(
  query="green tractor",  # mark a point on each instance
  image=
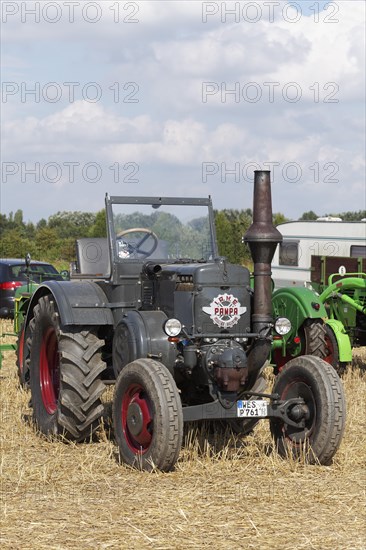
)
(341, 284)
(345, 300)
(328, 316)
(312, 331)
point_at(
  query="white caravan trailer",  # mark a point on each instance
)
(303, 239)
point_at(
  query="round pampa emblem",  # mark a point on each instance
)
(225, 310)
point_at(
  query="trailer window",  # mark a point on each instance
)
(358, 251)
(289, 253)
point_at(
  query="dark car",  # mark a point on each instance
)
(14, 273)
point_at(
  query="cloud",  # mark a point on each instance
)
(80, 125)
(171, 131)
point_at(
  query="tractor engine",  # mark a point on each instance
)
(212, 303)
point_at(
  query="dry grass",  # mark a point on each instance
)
(226, 492)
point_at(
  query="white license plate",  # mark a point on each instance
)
(251, 408)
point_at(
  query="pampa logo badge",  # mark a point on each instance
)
(225, 310)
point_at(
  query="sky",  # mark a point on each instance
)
(182, 98)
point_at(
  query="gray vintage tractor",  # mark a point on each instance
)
(182, 332)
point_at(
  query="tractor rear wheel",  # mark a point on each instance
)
(333, 351)
(318, 384)
(65, 370)
(315, 338)
(147, 416)
(313, 341)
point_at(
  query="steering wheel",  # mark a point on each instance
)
(136, 248)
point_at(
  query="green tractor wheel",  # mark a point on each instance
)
(315, 335)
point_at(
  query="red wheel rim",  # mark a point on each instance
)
(49, 370)
(137, 419)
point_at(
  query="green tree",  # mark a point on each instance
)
(47, 243)
(99, 228)
(309, 216)
(3, 223)
(278, 218)
(30, 230)
(167, 226)
(66, 251)
(231, 225)
(42, 223)
(353, 216)
(72, 224)
(224, 233)
(18, 218)
(14, 245)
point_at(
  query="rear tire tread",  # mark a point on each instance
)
(315, 335)
(79, 407)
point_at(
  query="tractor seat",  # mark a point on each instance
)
(93, 257)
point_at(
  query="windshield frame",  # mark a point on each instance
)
(168, 201)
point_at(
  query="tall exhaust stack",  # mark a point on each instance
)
(262, 238)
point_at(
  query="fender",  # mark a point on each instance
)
(343, 341)
(297, 304)
(78, 302)
(141, 334)
(303, 299)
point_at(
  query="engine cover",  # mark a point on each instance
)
(207, 298)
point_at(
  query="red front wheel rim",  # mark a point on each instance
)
(137, 419)
(49, 370)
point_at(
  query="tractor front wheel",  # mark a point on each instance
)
(147, 416)
(65, 370)
(318, 384)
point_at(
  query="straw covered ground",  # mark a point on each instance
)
(225, 492)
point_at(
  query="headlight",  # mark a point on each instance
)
(172, 327)
(282, 326)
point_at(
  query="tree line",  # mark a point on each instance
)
(53, 240)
